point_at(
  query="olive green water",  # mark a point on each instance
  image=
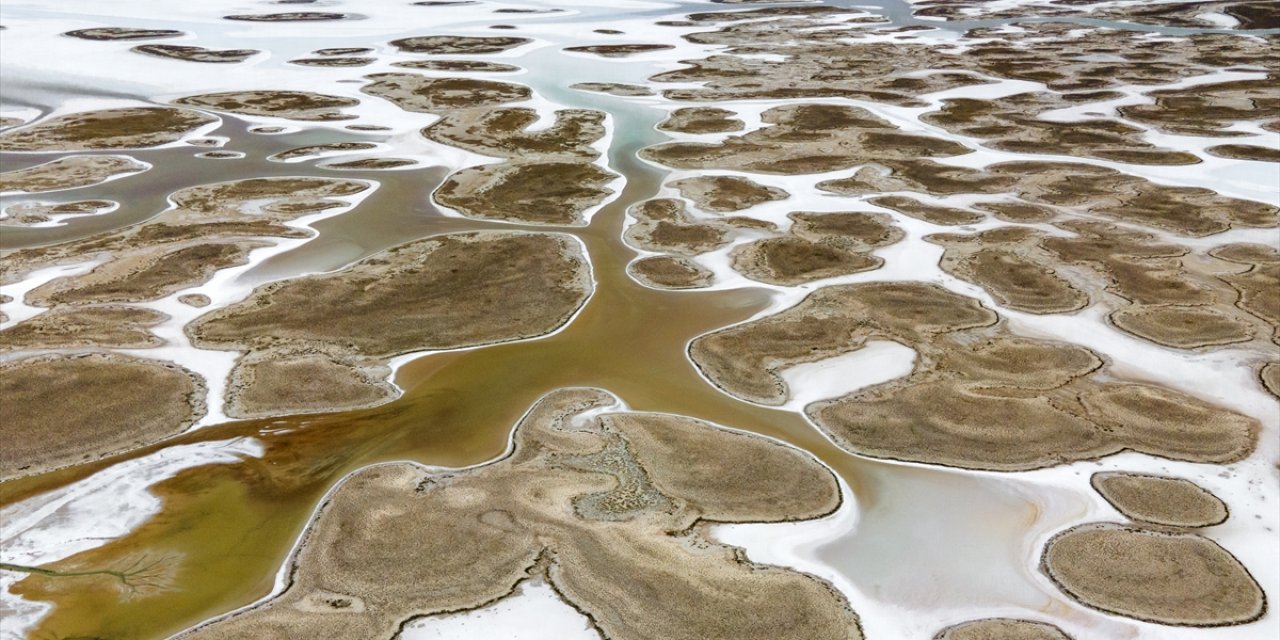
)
(226, 529)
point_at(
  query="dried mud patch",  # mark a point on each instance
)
(556, 193)
(805, 138)
(1095, 190)
(294, 105)
(790, 260)
(269, 384)
(1208, 110)
(1011, 124)
(29, 213)
(701, 120)
(319, 149)
(1002, 629)
(1245, 152)
(1005, 263)
(370, 164)
(664, 225)
(197, 54)
(342, 61)
(69, 172)
(1269, 375)
(614, 88)
(727, 193)
(504, 133)
(144, 275)
(1182, 327)
(861, 230)
(618, 50)
(463, 45)
(210, 226)
(474, 66)
(125, 128)
(669, 272)
(1176, 579)
(62, 410)
(292, 16)
(442, 292)
(1158, 500)
(123, 33)
(110, 326)
(978, 398)
(418, 93)
(931, 213)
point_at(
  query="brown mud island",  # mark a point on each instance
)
(63, 410)
(30, 212)
(1045, 188)
(556, 193)
(105, 326)
(123, 33)
(370, 164)
(294, 16)
(790, 260)
(443, 292)
(1163, 292)
(69, 172)
(614, 88)
(979, 397)
(806, 138)
(669, 272)
(819, 245)
(701, 120)
(318, 149)
(825, 59)
(1002, 629)
(1157, 500)
(422, 94)
(347, 61)
(504, 132)
(664, 225)
(127, 128)
(342, 51)
(1017, 281)
(1169, 578)
(1249, 14)
(471, 66)
(197, 54)
(524, 285)
(931, 213)
(609, 509)
(295, 105)
(459, 45)
(723, 194)
(1011, 124)
(209, 227)
(618, 50)
(549, 176)
(145, 275)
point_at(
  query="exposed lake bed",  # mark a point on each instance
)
(992, 278)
